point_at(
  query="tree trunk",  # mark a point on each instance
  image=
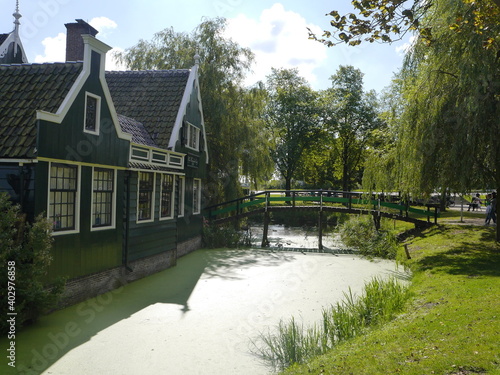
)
(345, 177)
(442, 200)
(288, 185)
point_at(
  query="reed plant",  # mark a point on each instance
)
(292, 343)
(359, 232)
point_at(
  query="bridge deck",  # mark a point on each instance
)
(357, 211)
(318, 200)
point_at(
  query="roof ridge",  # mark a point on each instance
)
(144, 71)
(42, 64)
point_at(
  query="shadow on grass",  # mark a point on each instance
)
(466, 257)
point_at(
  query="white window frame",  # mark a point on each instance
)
(153, 194)
(196, 196)
(113, 203)
(172, 198)
(97, 116)
(182, 196)
(76, 228)
(190, 129)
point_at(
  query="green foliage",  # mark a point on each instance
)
(351, 116)
(290, 343)
(292, 118)
(444, 106)
(359, 232)
(387, 21)
(28, 246)
(220, 236)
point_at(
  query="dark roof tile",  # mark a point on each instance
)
(24, 89)
(152, 97)
(139, 133)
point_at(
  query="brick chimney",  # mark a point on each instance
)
(74, 41)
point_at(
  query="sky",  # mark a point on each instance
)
(276, 31)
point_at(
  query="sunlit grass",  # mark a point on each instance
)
(452, 324)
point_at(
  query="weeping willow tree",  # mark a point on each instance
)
(380, 172)
(233, 114)
(448, 134)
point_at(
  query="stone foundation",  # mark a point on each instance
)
(188, 246)
(83, 288)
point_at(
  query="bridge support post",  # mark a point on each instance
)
(267, 219)
(320, 230)
(376, 220)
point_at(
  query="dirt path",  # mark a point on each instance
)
(466, 220)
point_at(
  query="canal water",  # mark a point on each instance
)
(199, 317)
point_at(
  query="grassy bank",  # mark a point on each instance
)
(451, 326)
(291, 342)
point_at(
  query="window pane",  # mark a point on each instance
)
(196, 196)
(102, 198)
(91, 114)
(146, 189)
(167, 193)
(62, 197)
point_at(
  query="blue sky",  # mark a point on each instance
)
(274, 30)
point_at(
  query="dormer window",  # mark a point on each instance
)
(92, 111)
(193, 137)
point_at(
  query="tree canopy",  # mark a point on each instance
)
(352, 119)
(447, 113)
(292, 117)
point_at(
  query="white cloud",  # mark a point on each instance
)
(103, 25)
(55, 49)
(279, 39)
(111, 62)
(403, 49)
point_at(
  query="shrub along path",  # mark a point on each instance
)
(452, 325)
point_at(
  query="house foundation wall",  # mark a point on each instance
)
(110, 281)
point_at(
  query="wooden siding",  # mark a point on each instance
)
(190, 225)
(148, 238)
(88, 251)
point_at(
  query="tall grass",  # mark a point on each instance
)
(359, 232)
(292, 343)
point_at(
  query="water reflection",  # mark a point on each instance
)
(292, 237)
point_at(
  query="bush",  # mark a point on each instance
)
(25, 258)
(360, 233)
(218, 236)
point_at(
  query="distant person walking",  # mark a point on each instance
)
(488, 209)
(493, 205)
(476, 202)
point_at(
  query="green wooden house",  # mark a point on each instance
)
(115, 160)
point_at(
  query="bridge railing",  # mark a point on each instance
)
(320, 198)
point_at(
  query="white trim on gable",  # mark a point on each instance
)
(90, 44)
(192, 84)
(13, 38)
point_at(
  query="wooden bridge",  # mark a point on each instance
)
(321, 201)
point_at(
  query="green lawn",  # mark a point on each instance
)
(452, 324)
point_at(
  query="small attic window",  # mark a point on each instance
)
(193, 137)
(92, 111)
